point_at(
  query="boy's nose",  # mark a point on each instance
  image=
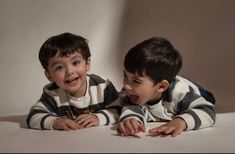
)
(127, 86)
(69, 70)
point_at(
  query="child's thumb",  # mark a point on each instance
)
(142, 128)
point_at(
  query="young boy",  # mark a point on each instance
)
(73, 99)
(154, 92)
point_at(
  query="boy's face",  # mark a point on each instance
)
(69, 73)
(141, 89)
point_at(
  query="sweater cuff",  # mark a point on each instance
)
(189, 120)
(136, 118)
(102, 119)
(48, 123)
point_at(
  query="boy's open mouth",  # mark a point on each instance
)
(133, 98)
(71, 80)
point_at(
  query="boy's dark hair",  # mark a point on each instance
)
(154, 57)
(65, 44)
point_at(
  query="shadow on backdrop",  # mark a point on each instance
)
(20, 119)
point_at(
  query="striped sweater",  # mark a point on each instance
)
(182, 99)
(101, 98)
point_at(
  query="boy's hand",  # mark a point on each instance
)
(130, 127)
(174, 127)
(65, 124)
(87, 120)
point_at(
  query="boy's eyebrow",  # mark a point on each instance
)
(55, 63)
(72, 58)
(134, 76)
(139, 79)
(77, 56)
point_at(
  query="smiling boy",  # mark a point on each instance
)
(73, 99)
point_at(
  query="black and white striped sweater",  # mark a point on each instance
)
(182, 99)
(101, 98)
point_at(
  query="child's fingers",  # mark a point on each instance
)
(80, 122)
(66, 128)
(135, 125)
(158, 129)
(141, 128)
(177, 132)
(85, 122)
(71, 126)
(129, 128)
(153, 130)
(121, 129)
(166, 131)
(169, 130)
(80, 117)
(90, 124)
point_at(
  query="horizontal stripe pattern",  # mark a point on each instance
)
(185, 102)
(101, 96)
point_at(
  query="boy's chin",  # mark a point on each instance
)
(136, 103)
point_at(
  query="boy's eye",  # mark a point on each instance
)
(136, 81)
(76, 62)
(58, 68)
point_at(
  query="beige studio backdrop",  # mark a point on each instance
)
(202, 30)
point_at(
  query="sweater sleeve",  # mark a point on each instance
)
(44, 112)
(133, 111)
(130, 110)
(40, 117)
(195, 110)
(112, 107)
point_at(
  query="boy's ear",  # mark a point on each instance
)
(88, 64)
(163, 85)
(47, 74)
